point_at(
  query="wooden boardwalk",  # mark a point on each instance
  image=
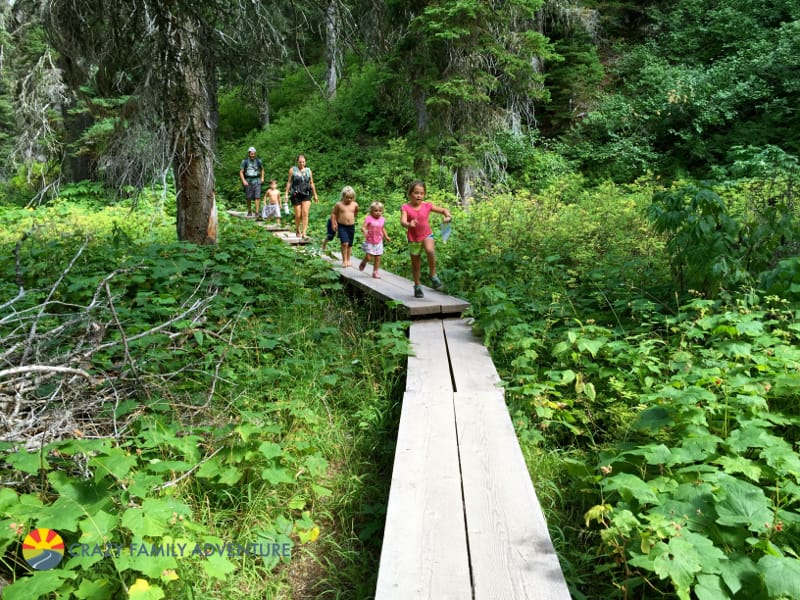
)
(283, 232)
(463, 520)
(391, 287)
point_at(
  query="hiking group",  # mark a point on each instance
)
(300, 188)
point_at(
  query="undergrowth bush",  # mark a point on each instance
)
(672, 422)
(249, 422)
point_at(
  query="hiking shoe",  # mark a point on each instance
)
(418, 292)
(436, 283)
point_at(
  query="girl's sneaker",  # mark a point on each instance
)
(418, 292)
(436, 283)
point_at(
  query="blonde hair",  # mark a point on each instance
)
(376, 205)
(347, 191)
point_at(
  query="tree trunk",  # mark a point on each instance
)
(263, 106)
(191, 113)
(422, 162)
(332, 47)
(463, 183)
(76, 167)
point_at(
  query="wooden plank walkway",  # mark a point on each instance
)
(391, 287)
(453, 405)
(463, 521)
(283, 232)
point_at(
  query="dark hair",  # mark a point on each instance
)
(414, 184)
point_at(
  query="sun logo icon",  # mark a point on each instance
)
(43, 549)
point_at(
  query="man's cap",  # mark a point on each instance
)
(251, 149)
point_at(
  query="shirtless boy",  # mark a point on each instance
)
(273, 207)
(343, 221)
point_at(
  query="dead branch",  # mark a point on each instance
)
(51, 386)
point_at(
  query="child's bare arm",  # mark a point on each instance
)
(334, 213)
(404, 222)
(442, 211)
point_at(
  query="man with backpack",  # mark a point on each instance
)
(251, 172)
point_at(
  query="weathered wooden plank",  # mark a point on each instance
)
(392, 287)
(428, 369)
(512, 556)
(471, 363)
(424, 552)
(290, 237)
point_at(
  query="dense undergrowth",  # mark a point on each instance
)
(659, 422)
(261, 417)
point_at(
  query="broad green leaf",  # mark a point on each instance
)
(737, 349)
(317, 465)
(751, 327)
(321, 491)
(116, 462)
(208, 470)
(695, 448)
(684, 557)
(98, 528)
(149, 558)
(749, 435)
(217, 566)
(630, 486)
(297, 503)
(97, 589)
(782, 576)
(739, 464)
(168, 466)
(710, 587)
(564, 377)
(29, 507)
(270, 450)
(624, 520)
(657, 455)
(654, 419)
(90, 494)
(782, 457)
(743, 503)
(141, 483)
(591, 345)
(153, 517)
(736, 570)
(276, 475)
(37, 585)
(277, 544)
(63, 514)
(8, 498)
(27, 462)
(229, 476)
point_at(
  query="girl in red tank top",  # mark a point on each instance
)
(414, 217)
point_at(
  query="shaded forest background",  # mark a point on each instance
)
(486, 90)
(624, 183)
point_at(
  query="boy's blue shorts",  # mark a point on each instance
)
(347, 234)
(330, 233)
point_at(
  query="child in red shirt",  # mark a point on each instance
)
(414, 217)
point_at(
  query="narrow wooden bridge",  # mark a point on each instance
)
(463, 521)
